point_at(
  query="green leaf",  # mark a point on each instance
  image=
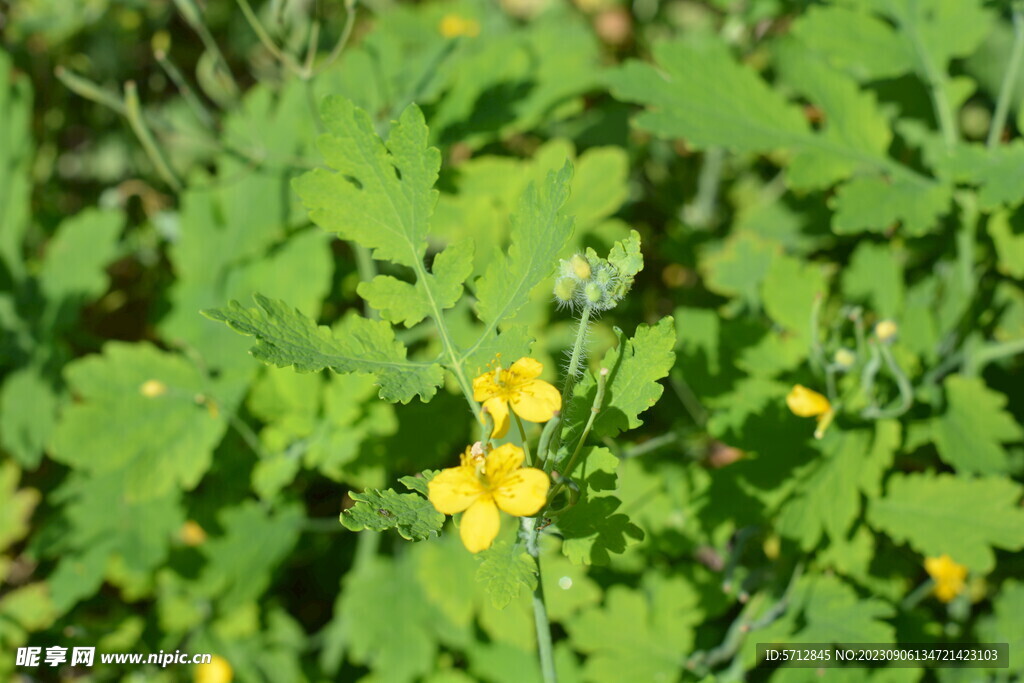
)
(875, 204)
(28, 414)
(852, 121)
(969, 434)
(625, 641)
(539, 232)
(942, 514)
(826, 500)
(739, 266)
(388, 622)
(16, 506)
(1009, 243)
(288, 338)
(875, 277)
(505, 568)
(411, 514)
(840, 34)
(789, 290)
(992, 170)
(634, 366)
(1006, 623)
(380, 194)
(401, 302)
(834, 613)
(77, 254)
(592, 529)
(419, 482)
(626, 257)
(106, 522)
(163, 441)
(15, 161)
(239, 563)
(699, 92)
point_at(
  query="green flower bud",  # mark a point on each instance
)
(844, 358)
(580, 267)
(593, 293)
(565, 290)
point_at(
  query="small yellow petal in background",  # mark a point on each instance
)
(191, 534)
(498, 408)
(454, 489)
(479, 525)
(523, 492)
(807, 403)
(152, 388)
(502, 461)
(527, 368)
(886, 330)
(948, 576)
(217, 670)
(537, 401)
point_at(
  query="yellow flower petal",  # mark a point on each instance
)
(537, 401)
(498, 408)
(454, 489)
(484, 387)
(807, 403)
(479, 525)
(523, 492)
(217, 670)
(501, 462)
(948, 576)
(526, 368)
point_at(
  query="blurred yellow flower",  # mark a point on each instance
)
(483, 484)
(947, 575)
(216, 671)
(806, 402)
(192, 534)
(152, 388)
(886, 330)
(453, 26)
(532, 399)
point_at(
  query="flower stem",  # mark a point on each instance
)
(995, 130)
(602, 381)
(577, 355)
(540, 611)
(522, 435)
(578, 352)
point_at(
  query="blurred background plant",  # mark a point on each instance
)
(794, 190)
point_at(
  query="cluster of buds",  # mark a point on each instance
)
(589, 281)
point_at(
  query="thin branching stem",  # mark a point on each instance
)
(1009, 83)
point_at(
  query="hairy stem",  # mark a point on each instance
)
(578, 352)
(540, 611)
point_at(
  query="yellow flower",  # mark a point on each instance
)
(452, 26)
(948, 576)
(191, 534)
(805, 402)
(532, 399)
(217, 670)
(152, 388)
(886, 330)
(483, 484)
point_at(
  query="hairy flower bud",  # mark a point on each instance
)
(844, 358)
(565, 290)
(580, 267)
(593, 293)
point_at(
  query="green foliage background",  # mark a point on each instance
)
(780, 160)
